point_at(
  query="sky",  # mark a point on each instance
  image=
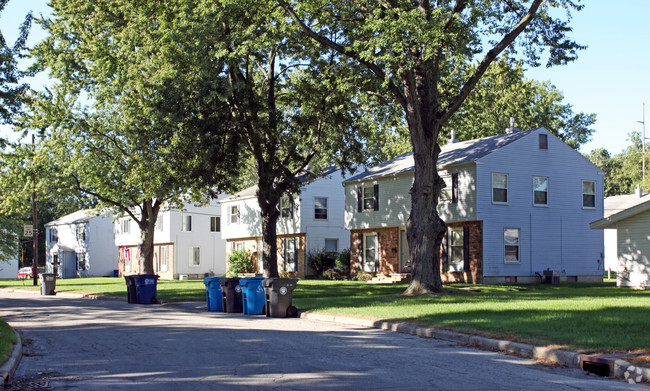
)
(611, 78)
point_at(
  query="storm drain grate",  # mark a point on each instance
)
(29, 385)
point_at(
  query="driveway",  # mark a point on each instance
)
(77, 344)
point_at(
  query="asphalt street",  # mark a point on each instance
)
(78, 344)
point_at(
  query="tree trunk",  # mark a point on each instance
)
(147, 224)
(270, 214)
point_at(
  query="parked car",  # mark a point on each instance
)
(26, 272)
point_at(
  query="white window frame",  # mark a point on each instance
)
(455, 248)
(81, 263)
(233, 214)
(293, 265)
(336, 249)
(127, 260)
(162, 261)
(517, 244)
(368, 202)
(215, 224)
(194, 255)
(316, 209)
(126, 226)
(159, 223)
(535, 178)
(494, 174)
(285, 207)
(81, 233)
(186, 223)
(588, 194)
(375, 261)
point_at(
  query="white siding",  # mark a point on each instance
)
(556, 236)
(634, 250)
(394, 203)
(250, 220)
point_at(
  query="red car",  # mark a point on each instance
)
(26, 272)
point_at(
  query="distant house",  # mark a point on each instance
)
(516, 205)
(188, 243)
(309, 222)
(627, 244)
(80, 245)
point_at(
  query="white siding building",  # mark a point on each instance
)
(188, 243)
(516, 205)
(81, 245)
(309, 222)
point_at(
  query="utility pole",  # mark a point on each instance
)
(35, 223)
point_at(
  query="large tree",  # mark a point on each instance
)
(128, 122)
(413, 47)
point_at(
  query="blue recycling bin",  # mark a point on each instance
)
(213, 293)
(253, 295)
(146, 288)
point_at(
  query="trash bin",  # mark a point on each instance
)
(132, 293)
(231, 293)
(146, 288)
(213, 294)
(48, 283)
(279, 296)
(253, 295)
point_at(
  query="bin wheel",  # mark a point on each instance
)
(264, 310)
(292, 312)
(154, 300)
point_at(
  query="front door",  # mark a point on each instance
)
(404, 253)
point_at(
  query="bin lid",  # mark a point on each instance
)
(208, 280)
(228, 280)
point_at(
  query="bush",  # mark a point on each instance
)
(240, 261)
(320, 261)
(342, 260)
(333, 274)
(362, 276)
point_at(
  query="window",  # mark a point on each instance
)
(370, 252)
(540, 191)
(81, 261)
(159, 223)
(53, 236)
(81, 233)
(543, 141)
(454, 188)
(237, 246)
(285, 207)
(289, 254)
(320, 208)
(511, 245)
(234, 214)
(588, 194)
(368, 198)
(215, 224)
(186, 223)
(499, 188)
(126, 226)
(331, 245)
(162, 258)
(456, 249)
(195, 256)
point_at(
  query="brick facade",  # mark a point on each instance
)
(475, 245)
(250, 245)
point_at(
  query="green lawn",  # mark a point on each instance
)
(7, 340)
(581, 317)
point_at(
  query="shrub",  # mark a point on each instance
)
(333, 274)
(362, 276)
(342, 260)
(320, 261)
(240, 261)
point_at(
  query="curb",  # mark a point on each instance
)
(622, 370)
(8, 369)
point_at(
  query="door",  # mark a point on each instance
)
(69, 265)
(370, 253)
(404, 253)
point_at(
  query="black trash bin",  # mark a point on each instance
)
(232, 298)
(132, 292)
(279, 293)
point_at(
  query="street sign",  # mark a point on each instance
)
(28, 231)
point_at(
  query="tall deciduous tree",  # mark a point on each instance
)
(129, 123)
(412, 47)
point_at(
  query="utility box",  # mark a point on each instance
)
(551, 276)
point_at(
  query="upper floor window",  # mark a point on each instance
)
(53, 236)
(540, 191)
(186, 223)
(215, 224)
(588, 194)
(81, 233)
(543, 141)
(126, 226)
(285, 207)
(368, 198)
(159, 223)
(511, 245)
(320, 208)
(499, 188)
(234, 214)
(454, 188)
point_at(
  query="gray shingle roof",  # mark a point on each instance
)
(451, 154)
